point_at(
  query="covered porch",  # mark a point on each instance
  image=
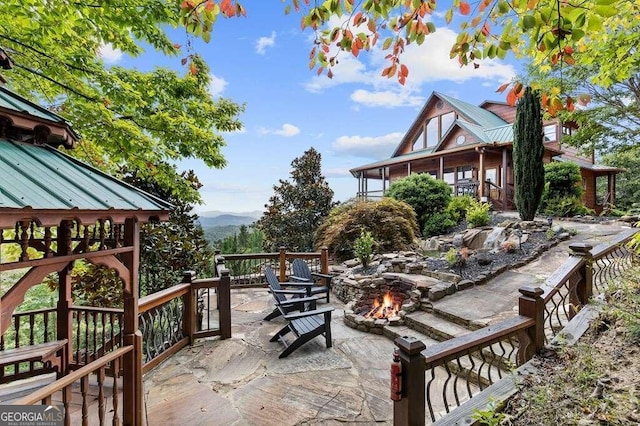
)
(483, 171)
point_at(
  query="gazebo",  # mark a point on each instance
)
(56, 210)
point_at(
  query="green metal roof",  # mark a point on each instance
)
(500, 134)
(474, 129)
(479, 115)
(41, 177)
(13, 102)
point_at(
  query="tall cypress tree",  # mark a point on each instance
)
(528, 151)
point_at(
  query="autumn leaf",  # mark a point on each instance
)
(193, 68)
(511, 97)
(464, 8)
(502, 87)
(404, 71)
(485, 29)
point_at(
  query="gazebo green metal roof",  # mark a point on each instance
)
(42, 177)
(14, 102)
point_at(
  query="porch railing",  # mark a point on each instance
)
(99, 391)
(460, 368)
(246, 270)
(169, 320)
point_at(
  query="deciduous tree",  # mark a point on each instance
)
(145, 120)
(528, 150)
(298, 206)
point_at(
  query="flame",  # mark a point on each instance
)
(386, 309)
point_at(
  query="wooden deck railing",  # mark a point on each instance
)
(246, 270)
(461, 367)
(99, 394)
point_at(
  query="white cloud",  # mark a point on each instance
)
(264, 42)
(386, 98)
(216, 85)
(336, 173)
(287, 130)
(109, 54)
(427, 64)
(375, 147)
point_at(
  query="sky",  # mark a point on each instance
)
(358, 117)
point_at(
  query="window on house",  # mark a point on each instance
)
(449, 176)
(418, 144)
(491, 175)
(550, 133)
(465, 172)
(566, 130)
(432, 132)
(446, 120)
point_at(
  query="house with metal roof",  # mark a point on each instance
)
(471, 148)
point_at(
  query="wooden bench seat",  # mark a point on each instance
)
(50, 354)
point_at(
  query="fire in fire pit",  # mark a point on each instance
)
(384, 310)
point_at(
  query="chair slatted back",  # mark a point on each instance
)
(274, 283)
(301, 269)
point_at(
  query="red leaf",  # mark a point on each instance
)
(464, 8)
(193, 69)
(503, 87)
(355, 50)
(320, 70)
(512, 98)
(330, 74)
(404, 71)
(485, 29)
(176, 46)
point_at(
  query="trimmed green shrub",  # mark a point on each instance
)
(392, 225)
(478, 214)
(565, 207)
(562, 179)
(363, 248)
(458, 206)
(437, 224)
(422, 192)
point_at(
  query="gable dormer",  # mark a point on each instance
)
(437, 119)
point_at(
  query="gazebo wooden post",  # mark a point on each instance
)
(132, 380)
(64, 327)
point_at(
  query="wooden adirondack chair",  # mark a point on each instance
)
(305, 326)
(302, 274)
(296, 297)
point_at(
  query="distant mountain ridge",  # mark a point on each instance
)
(225, 220)
(215, 213)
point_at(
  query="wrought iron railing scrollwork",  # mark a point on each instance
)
(162, 327)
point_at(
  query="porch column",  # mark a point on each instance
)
(611, 183)
(441, 171)
(408, 169)
(359, 193)
(384, 179)
(504, 178)
(132, 365)
(481, 174)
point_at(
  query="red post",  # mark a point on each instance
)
(531, 304)
(283, 265)
(324, 260)
(410, 409)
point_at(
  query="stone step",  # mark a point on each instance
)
(434, 326)
(471, 325)
(393, 332)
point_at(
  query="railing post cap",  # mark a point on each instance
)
(187, 276)
(224, 272)
(409, 345)
(531, 291)
(580, 249)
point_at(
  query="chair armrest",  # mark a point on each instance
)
(295, 278)
(298, 300)
(305, 314)
(303, 292)
(320, 275)
(300, 285)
